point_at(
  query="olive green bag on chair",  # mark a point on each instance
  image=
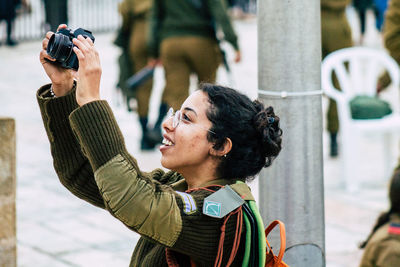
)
(365, 107)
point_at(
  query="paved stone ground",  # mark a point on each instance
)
(56, 229)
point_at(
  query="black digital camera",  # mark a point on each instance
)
(60, 47)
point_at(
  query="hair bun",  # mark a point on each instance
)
(267, 125)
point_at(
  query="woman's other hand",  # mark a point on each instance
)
(89, 72)
(62, 79)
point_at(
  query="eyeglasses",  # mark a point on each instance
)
(177, 118)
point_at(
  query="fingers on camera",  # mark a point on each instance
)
(84, 40)
(82, 43)
(44, 55)
(45, 42)
(89, 41)
(78, 53)
(49, 34)
(61, 26)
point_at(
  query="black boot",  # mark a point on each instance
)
(10, 41)
(145, 144)
(155, 134)
(333, 145)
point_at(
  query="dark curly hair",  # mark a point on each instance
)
(253, 129)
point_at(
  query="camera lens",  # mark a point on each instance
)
(59, 47)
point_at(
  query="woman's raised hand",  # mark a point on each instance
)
(62, 79)
(89, 72)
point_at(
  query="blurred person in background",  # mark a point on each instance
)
(239, 8)
(8, 14)
(56, 13)
(183, 37)
(336, 34)
(380, 7)
(219, 137)
(391, 37)
(382, 247)
(361, 6)
(135, 23)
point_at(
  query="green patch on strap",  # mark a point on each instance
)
(222, 202)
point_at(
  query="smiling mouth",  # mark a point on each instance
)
(167, 142)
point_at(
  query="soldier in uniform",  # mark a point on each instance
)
(8, 13)
(391, 38)
(361, 7)
(382, 247)
(135, 21)
(183, 37)
(217, 138)
(56, 13)
(336, 34)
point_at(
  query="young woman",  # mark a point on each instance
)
(382, 247)
(217, 138)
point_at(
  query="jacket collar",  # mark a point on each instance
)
(241, 188)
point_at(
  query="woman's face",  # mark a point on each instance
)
(186, 147)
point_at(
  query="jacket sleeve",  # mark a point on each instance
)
(335, 4)
(380, 254)
(391, 30)
(220, 15)
(70, 164)
(136, 199)
(388, 253)
(154, 30)
(127, 18)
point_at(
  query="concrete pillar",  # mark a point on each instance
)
(289, 61)
(8, 242)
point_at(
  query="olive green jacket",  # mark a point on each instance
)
(391, 31)
(335, 35)
(383, 249)
(335, 5)
(129, 9)
(91, 161)
(391, 38)
(335, 28)
(171, 18)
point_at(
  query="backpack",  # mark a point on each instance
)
(271, 259)
(258, 251)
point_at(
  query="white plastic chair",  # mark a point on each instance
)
(357, 70)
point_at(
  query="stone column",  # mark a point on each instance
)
(8, 241)
(292, 190)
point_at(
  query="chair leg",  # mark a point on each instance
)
(333, 145)
(349, 162)
(388, 160)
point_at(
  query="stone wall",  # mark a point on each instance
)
(8, 248)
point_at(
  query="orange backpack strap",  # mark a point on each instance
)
(283, 238)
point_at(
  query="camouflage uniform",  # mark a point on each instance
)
(183, 36)
(391, 36)
(383, 249)
(135, 14)
(336, 34)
